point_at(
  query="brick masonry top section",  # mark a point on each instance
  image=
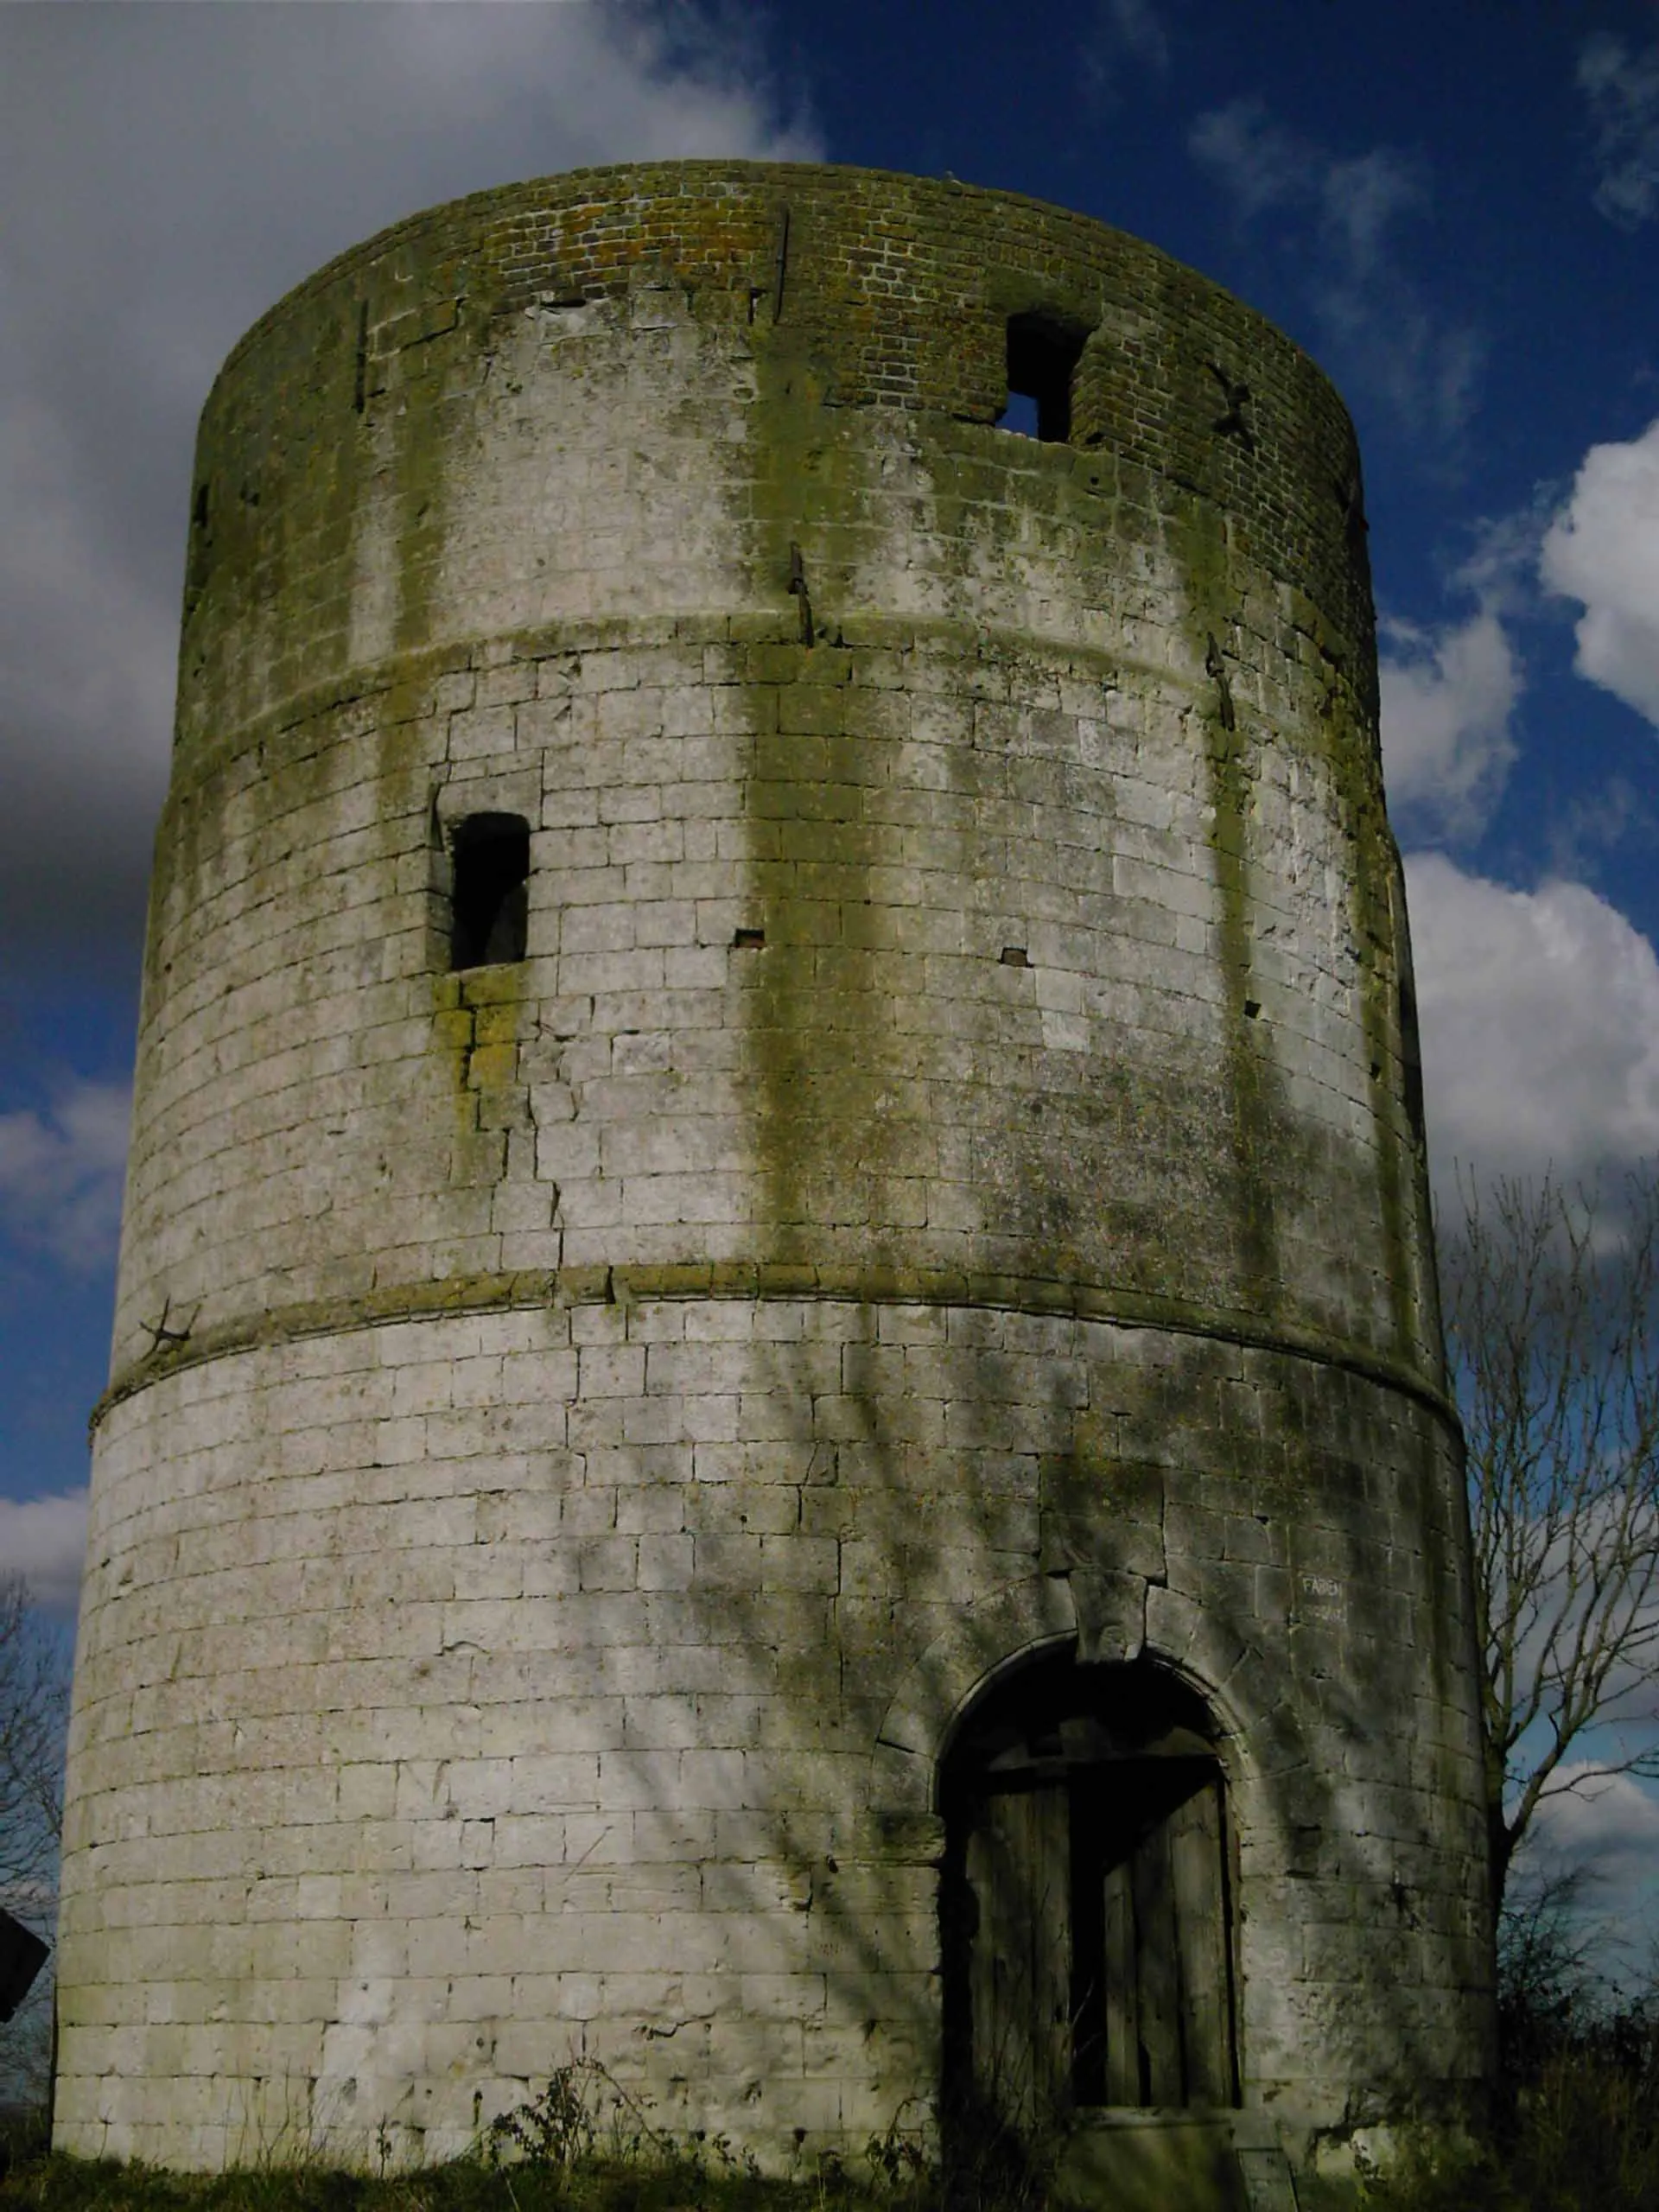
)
(794, 294)
(944, 850)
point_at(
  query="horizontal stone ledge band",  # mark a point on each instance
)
(759, 1279)
(828, 660)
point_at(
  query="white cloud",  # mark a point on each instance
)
(1371, 310)
(1502, 567)
(1364, 196)
(1603, 549)
(1540, 1015)
(86, 664)
(44, 1540)
(1257, 163)
(167, 173)
(1449, 690)
(1623, 92)
(1607, 1830)
(1601, 1820)
(60, 1173)
(1447, 697)
(1424, 366)
(1126, 30)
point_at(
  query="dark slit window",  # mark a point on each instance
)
(1042, 355)
(1411, 1050)
(490, 902)
(1411, 1054)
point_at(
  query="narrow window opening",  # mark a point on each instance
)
(1411, 1054)
(749, 940)
(490, 905)
(1411, 1049)
(1014, 956)
(1042, 353)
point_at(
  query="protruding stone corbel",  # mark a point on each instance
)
(1111, 1616)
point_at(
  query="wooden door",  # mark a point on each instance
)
(1018, 1872)
(1084, 1899)
(1152, 1996)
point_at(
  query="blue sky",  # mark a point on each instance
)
(1452, 204)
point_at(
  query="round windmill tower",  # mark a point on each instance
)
(777, 1414)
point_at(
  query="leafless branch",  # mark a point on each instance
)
(34, 1694)
(1553, 1326)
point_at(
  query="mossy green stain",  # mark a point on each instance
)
(1267, 1141)
(419, 465)
(806, 472)
(1377, 867)
(1256, 1123)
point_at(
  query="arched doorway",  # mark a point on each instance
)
(1085, 1899)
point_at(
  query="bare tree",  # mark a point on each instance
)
(1551, 1952)
(32, 1692)
(34, 1696)
(1553, 1330)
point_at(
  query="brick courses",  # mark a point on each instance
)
(941, 1184)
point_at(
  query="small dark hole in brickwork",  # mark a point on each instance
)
(749, 940)
(1252, 1008)
(1014, 956)
(490, 905)
(1043, 352)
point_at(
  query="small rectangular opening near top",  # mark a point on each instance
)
(1043, 354)
(489, 902)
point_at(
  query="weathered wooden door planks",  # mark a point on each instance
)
(1098, 1942)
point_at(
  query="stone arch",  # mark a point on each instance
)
(1106, 1616)
(1245, 1696)
(992, 1634)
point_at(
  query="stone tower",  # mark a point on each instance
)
(777, 1412)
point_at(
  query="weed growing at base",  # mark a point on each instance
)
(555, 2151)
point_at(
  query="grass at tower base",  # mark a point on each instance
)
(1581, 2132)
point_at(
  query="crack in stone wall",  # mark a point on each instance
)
(943, 1186)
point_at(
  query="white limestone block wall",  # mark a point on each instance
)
(943, 1184)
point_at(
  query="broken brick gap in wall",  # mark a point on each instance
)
(1043, 355)
(490, 902)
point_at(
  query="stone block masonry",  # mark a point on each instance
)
(689, 1473)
